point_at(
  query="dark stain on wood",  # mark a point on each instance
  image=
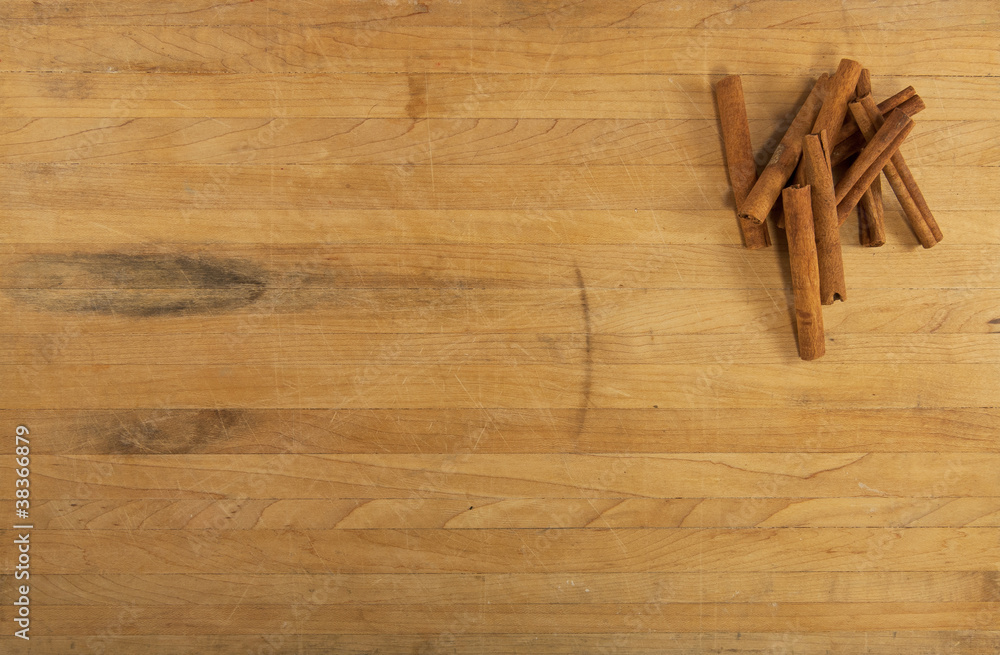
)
(168, 431)
(991, 586)
(60, 85)
(139, 285)
(416, 108)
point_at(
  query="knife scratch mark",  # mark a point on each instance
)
(588, 364)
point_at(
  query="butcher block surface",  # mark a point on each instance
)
(426, 327)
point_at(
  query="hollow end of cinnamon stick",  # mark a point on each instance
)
(797, 202)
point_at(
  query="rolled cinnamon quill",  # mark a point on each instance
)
(850, 128)
(797, 203)
(815, 167)
(918, 197)
(871, 216)
(880, 140)
(904, 172)
(854, 143)
(871, 211)
(766, 190)
(863, 88)
(867, 117)
(895, 100)
(836, 94)
(839, 92)
(870, 161)
(739, 155)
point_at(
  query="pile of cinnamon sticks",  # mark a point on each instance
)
(839, 122)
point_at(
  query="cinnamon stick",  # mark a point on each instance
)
(896, 122)
(815, 167)
(850, 200)
(864, 85)
(739, 155)
(883, 137)
(871, 211)
(867, 117)
(797, 202)
(765, 192)
(885, 107)
(839, 92)
(832, 113)
(871, 216)
(854, 143)
(918, 197)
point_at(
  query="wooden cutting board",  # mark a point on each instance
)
(425, 327)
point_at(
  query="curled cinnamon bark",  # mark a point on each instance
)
(739, 155)
(864, 86)
(797, 202)
(815, 167)
(871, 216)
(856, 141)
(850, 128)
(871, 211)
(839, 92)
(902, 183)
(870, 161)
(782, 164)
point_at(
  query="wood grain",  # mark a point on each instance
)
(629, 14)
(398, 513)
(300, 348)
(631, 312)
(527, 618)
(472, 385)
(426, 327)
(507, 49)
(681, 475)
(440, 95)
(797, 429)
(408, 226)
(549, 550)
(419, 141)
(536, 588)
(256, 272)
(895, 642)
(113, 188)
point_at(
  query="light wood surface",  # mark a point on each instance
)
(425, 327)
